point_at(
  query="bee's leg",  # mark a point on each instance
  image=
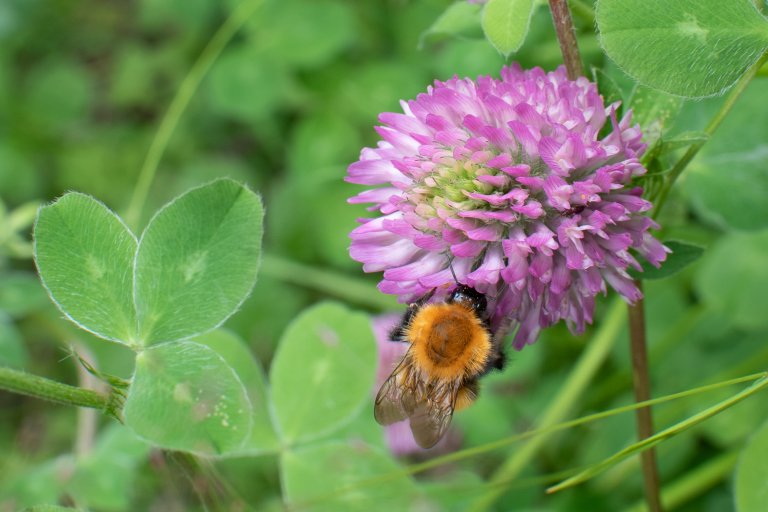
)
(398, 332)
(500, 360)
(497, 359)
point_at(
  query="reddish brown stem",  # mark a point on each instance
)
(566, 35)
(644, 418)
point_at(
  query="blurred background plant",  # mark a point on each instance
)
(285, 107)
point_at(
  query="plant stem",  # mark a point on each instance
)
(665, 434)
(714, 123)
(333, 283)
(47, 389)
(576, 383)
(87, 418)
(179, 104)
(569, 47)
(639, 355)
(566, 35)
(496, 445)
(695, 482)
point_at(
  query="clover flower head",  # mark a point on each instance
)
(521, 187)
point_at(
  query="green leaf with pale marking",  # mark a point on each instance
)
(323, 371)
(197, 261)
(332, 476)
(733, 279)
(84, 254)
(184, 396)
(236, 354)
(683, 254)
(751, 485)
(459, 19)
(506, 22)
(691, 48)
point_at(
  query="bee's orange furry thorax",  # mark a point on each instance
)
(449, 341)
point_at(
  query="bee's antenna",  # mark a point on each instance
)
(450, 265)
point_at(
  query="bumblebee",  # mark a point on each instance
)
(451, 347)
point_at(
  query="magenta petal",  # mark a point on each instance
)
(532, 182)
(622, 284)
(429, 264)
(403, 123)
(429, 242)
(525, 136)
(529, 328)
(541, 267)
(495, 200)
(517, 171)
(379, 257)
(497, 181)
(543, 239)
(653, 250)
(499, 161)
(373, 172)
(558, 192)
(376, 195)
(488, 271)
(561, 277)
(531, 209)
(462, 224)
(467, 249)
(517, 261)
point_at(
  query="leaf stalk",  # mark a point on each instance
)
(35, 386)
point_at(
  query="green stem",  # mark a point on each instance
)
(695, 482)
(497, 445)
(46, 389)
(641, 382)
(665, 434)
(570, 391)
(329, 282)
(180, 102)
(714, 123)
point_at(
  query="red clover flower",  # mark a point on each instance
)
(509, 185)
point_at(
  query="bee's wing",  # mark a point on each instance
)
(395, 399)
(432, 414)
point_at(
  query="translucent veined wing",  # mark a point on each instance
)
(395, 395)
(428, 405)
(433, 412)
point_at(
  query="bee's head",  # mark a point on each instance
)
(470, 297)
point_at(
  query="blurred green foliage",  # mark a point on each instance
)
(285, 108)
